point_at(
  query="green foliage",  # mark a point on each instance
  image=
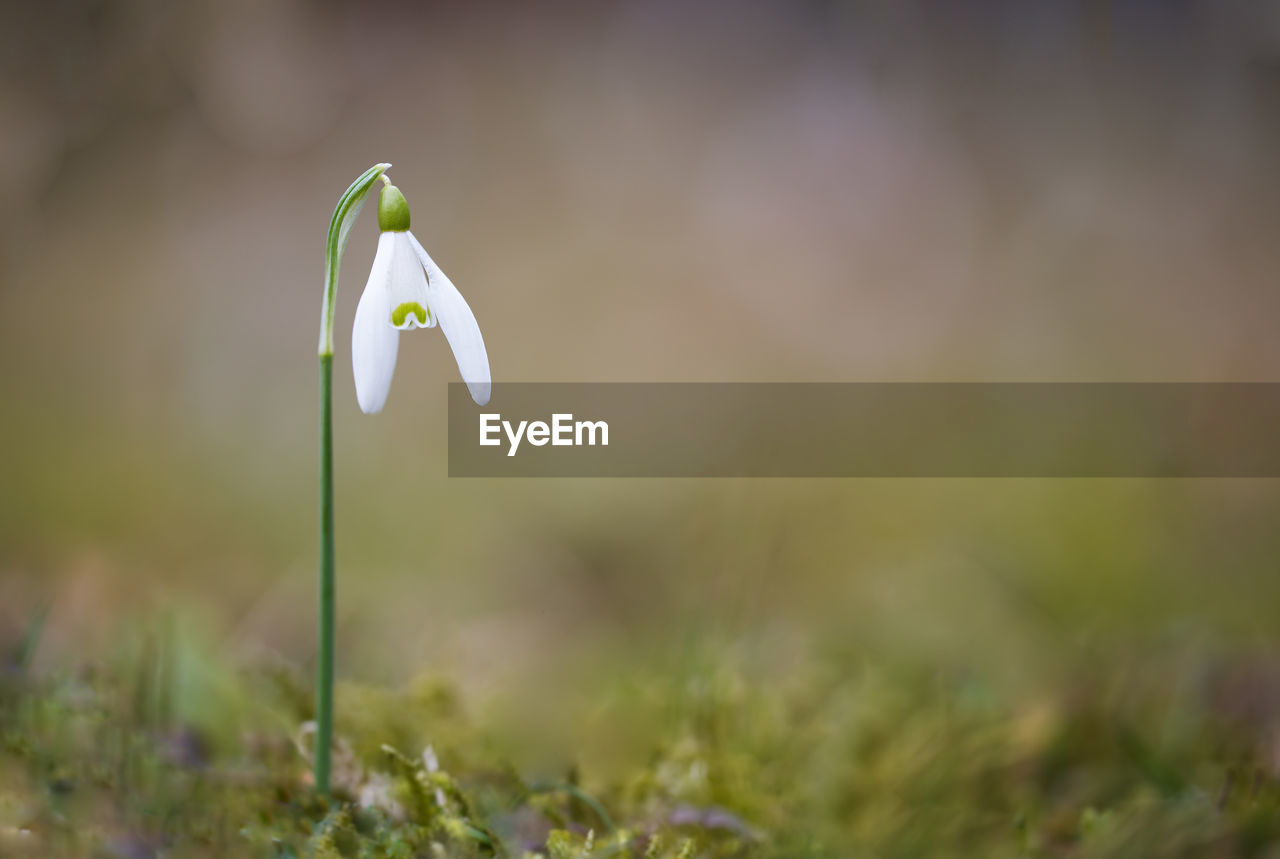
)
(867, 761)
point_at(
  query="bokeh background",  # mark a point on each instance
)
(654, 191)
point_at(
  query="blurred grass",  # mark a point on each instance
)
(830, 755)
(769, 668)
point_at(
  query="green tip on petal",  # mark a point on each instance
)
(402, 311)
(393, 210)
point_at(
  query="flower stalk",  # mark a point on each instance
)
(344, 215)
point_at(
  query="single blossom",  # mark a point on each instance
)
(407, 290)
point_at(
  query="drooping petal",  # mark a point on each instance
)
(374, 342)
(459, 325)
(408, 283)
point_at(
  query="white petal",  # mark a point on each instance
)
(374, 342)
(459, 325)
(408, 283)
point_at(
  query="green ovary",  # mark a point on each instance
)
(402, 312)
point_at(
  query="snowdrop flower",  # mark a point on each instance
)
(407, 290)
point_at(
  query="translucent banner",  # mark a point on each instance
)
(867, 430)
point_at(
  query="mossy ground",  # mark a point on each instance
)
(1059, 669)
(836, 759)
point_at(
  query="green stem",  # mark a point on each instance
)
(344, 214)
(324, 677)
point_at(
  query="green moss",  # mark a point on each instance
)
(874, 761)
(562, 844)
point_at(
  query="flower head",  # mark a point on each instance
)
(407, 290)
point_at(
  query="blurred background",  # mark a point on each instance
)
(643, 191)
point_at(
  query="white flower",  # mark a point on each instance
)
(407, 290)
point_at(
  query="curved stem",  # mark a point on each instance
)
(344, 214)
